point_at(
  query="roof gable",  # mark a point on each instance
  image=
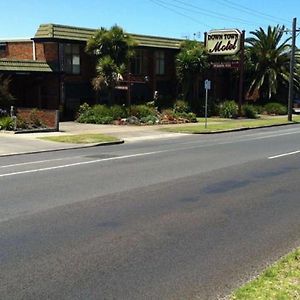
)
(61, 32)
(25, 66)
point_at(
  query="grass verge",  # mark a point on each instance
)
(215, 124)
(81, 138)
(279, 282)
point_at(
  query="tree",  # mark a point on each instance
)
(268, 59)
(113, 48)
(6, 98)
(191, 62)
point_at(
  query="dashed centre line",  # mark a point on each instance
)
(284, 154)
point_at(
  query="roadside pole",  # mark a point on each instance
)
(292, 67)
(241, 79)
(129, 90)
(206, 96)
(207, 86)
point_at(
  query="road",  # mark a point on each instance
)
(182, 218)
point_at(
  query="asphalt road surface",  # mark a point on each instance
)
(184, 218)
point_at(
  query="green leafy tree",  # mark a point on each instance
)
(191, 62)
(268, 60)
(113, 48)
(6, 98)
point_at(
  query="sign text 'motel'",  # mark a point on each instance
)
(223, 42)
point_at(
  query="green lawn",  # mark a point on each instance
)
(81, 138)
(218, 124)
(279, 282)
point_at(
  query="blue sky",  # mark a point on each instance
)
(171, 18)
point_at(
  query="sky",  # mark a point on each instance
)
(170, 18)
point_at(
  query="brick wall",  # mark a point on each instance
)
(48, 117)
(24, 51)
(50, 52)
(19, 50)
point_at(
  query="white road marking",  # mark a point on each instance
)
(243, 138)
(37, 162)
(79, 163)
(284, 154)
(211, 143)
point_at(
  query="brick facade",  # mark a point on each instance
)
(60, 90)
(24, 50)
(18, 51)
(49, 52)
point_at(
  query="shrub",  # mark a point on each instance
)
(249, 111)
(6, 123)
(228, 109)
(98, 114)
(104, 120)
(181, 106)
(34, 119)
(86, 116)
(191, 117)
(118, 112)
(100, 110)
(151, 104)
(259, 109)
(83, 108)
(150, 120)
(21, 123)
(168, 113)
(275, 109)
(133, 120)
(141, 111)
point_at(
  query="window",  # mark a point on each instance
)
(72, 59)
(2, 47)
(160, 62)
(136, 65)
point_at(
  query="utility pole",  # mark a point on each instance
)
(241, 79)
(292, 68)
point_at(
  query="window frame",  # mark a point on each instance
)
(160, 62)
(72, 61)
(3, 47)
(137, 63)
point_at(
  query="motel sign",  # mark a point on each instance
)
(223, 42)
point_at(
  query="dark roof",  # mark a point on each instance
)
(25, 66)
(54, 31)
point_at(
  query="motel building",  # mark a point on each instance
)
(52, 71)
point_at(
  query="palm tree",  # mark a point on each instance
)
(113, 48)
(268, 60)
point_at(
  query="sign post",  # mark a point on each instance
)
(241, 79)
(228, 42)
(207, 86)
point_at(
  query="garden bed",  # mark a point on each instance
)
(31, 120)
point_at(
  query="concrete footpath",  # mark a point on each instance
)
(12, 144)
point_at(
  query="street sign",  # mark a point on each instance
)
(121, 87)
(234, 64)
(207, 84)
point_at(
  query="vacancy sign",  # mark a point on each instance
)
(223, 42)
